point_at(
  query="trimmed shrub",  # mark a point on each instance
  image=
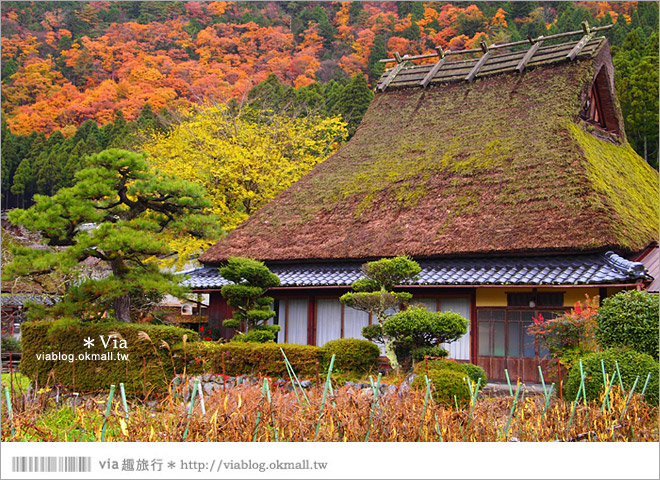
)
(416, 328)
(445, 365)
(351, 354)
(629, 319)
(475, 372)
(248, 358)
(419, 354)
(149, 366)
(10, 344)
(447, 384)
(631, 365)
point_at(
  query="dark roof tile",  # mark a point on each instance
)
(540, 270)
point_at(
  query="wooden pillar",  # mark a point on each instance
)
(311, 321)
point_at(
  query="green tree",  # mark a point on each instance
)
(326, 30)
(629, 319)
(636, 80)
(22, 184)
(147, 120)
(353, 102)
(374, 294)
(375, 68)
(251, 279)
(116, 212)
(10, 161)
(416, 328)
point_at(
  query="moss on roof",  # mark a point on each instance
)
(498, 166)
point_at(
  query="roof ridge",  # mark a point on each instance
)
(628, 267)
(534, 56)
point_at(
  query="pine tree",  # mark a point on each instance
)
(10, 162)
(22, 184)
(354, 101)
(147, 119)
(132, 207)
(636, 80)
(374, 294)
(375, 68)
(326, 30)
(250, 281)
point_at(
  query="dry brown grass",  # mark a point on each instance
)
(242, 414)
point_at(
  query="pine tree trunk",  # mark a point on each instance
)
(122, 304)
(391, 355)
(122, 307)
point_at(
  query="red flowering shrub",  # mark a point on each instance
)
(570, 335)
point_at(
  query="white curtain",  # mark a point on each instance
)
(281, 321)
(328, 320)
(460, 349)
(354, 322)
(431, 304)
(297, 320)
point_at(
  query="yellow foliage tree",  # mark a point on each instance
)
(243, 156)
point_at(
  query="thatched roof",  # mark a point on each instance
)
(502, 165)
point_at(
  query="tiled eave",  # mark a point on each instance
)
(595, 269)
(20, 299)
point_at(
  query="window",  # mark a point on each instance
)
(592, 110)
(533, 299)
(503, 332)
(354, 322)
(460, 349)
(292, 319)
(598, 108)
(328, 320)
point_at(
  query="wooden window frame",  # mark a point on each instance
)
(286, 312)
(537, 310)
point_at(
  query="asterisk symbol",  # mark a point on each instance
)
(89, 342)
(171, 465)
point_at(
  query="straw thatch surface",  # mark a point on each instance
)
(502, 165)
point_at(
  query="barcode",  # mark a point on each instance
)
(51, 464)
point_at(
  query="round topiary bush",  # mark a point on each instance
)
(475, 372)
(418, 354)
(351, 355)
(447, 384)
(629, 319)
(445, 365)
(631, 365)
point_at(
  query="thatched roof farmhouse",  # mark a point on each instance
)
(507, 176)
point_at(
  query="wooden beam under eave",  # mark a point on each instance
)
(477, 67)
(528, 56)
(429, 76)
(579, 46)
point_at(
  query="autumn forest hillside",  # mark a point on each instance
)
(79, 77)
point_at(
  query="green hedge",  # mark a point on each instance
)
(448, 379)
(157, 353)
(248, 358)
(149, 368)
(474, 372)
(449, 387)
(629, 319)
(631, 365)
(351, 355)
